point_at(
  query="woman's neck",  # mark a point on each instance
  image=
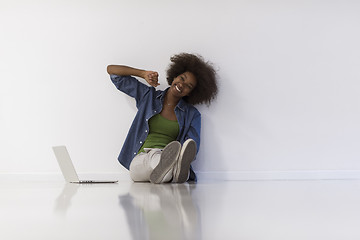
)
(170, 99)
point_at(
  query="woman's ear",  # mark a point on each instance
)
(190, 93)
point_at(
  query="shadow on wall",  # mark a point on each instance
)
(211, 153)
(222, 129)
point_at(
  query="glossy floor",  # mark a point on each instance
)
(206, 210)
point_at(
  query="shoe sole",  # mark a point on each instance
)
(187, 155)
(168, 158)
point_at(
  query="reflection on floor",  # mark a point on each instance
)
(206, 210)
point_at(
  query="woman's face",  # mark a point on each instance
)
(183, 84)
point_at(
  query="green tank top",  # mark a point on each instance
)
(161, 132)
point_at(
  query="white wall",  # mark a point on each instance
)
(289, 81)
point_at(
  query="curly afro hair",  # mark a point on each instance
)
(206, 87)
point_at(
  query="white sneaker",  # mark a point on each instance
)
(167, 161)
(187, 155)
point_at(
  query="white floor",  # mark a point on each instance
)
(248, 210)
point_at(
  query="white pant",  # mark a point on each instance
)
(144, 163)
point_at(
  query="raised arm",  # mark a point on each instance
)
(150, 76)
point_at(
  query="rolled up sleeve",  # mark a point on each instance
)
(130, 86)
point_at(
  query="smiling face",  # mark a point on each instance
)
(183, 84)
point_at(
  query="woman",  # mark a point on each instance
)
(164, 137)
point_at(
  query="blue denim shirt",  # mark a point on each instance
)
(149, 102)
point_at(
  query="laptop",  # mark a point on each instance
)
(68, 169)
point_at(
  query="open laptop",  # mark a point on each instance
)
(68, 169)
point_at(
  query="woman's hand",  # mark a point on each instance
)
(152, 78)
